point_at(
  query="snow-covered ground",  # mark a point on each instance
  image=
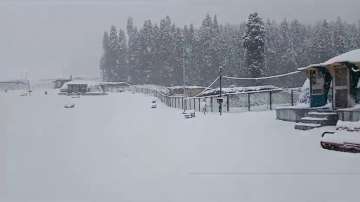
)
(116, 148)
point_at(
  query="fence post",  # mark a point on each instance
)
(248, 101)
(227, 103)
(270, 94)
(211, 104)
(292, 97)
(194, 104)
(182, 103)
(199, 105)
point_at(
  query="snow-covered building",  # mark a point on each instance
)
(13, 85)
(335, 81)
(334, 91)
(82, 87)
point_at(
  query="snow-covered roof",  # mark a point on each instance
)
(87, 82)
(113, 83)
(351, 56)
(80, 82)
(187, 87)
(237, 90)
(161, 89)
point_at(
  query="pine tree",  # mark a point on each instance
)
(122, 71)
(104, 62)
(133, 49)
(288, 59)
(113, 54)
(146, 59)
(254, 43)
(322, 48)
(340, 40)
(155, 53)
(206, 65)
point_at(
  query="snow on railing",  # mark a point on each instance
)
(255, 99)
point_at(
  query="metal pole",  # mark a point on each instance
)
(270, 97)
(182, 103)
(220, 83)
(199, 105)
(248, 101)
(292, 97)
(228, 103)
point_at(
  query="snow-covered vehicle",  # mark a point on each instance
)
(346, 138)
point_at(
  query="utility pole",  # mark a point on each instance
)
(220, 99)
(186, 52)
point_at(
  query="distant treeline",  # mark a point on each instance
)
(157, 53)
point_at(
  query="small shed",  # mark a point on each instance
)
(335, 81)
(82, 87)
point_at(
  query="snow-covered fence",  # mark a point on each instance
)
(261, 100)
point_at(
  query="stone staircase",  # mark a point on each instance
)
(317, 119)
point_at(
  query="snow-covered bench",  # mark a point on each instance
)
(69, 106)
(346, 138)
(153, 104)
(189, 114)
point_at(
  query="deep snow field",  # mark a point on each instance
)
(116, 148)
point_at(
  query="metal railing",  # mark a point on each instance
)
(236, 102)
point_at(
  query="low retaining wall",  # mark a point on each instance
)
(294, 114)
(291, 114)
(349, 115)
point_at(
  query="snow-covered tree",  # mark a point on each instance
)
(104, 62)
(322, 48)
(122, 68)
(254, 43)
(340, 40)
(155, 53)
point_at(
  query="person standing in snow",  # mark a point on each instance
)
(203, 106)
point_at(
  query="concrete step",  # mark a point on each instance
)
(328, 115)
(315, 120)
(306, 126)
(322, 113)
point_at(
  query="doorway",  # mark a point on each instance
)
(341, 87)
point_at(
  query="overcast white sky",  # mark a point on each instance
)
(54, 38)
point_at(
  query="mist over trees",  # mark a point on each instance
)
(156, 53)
